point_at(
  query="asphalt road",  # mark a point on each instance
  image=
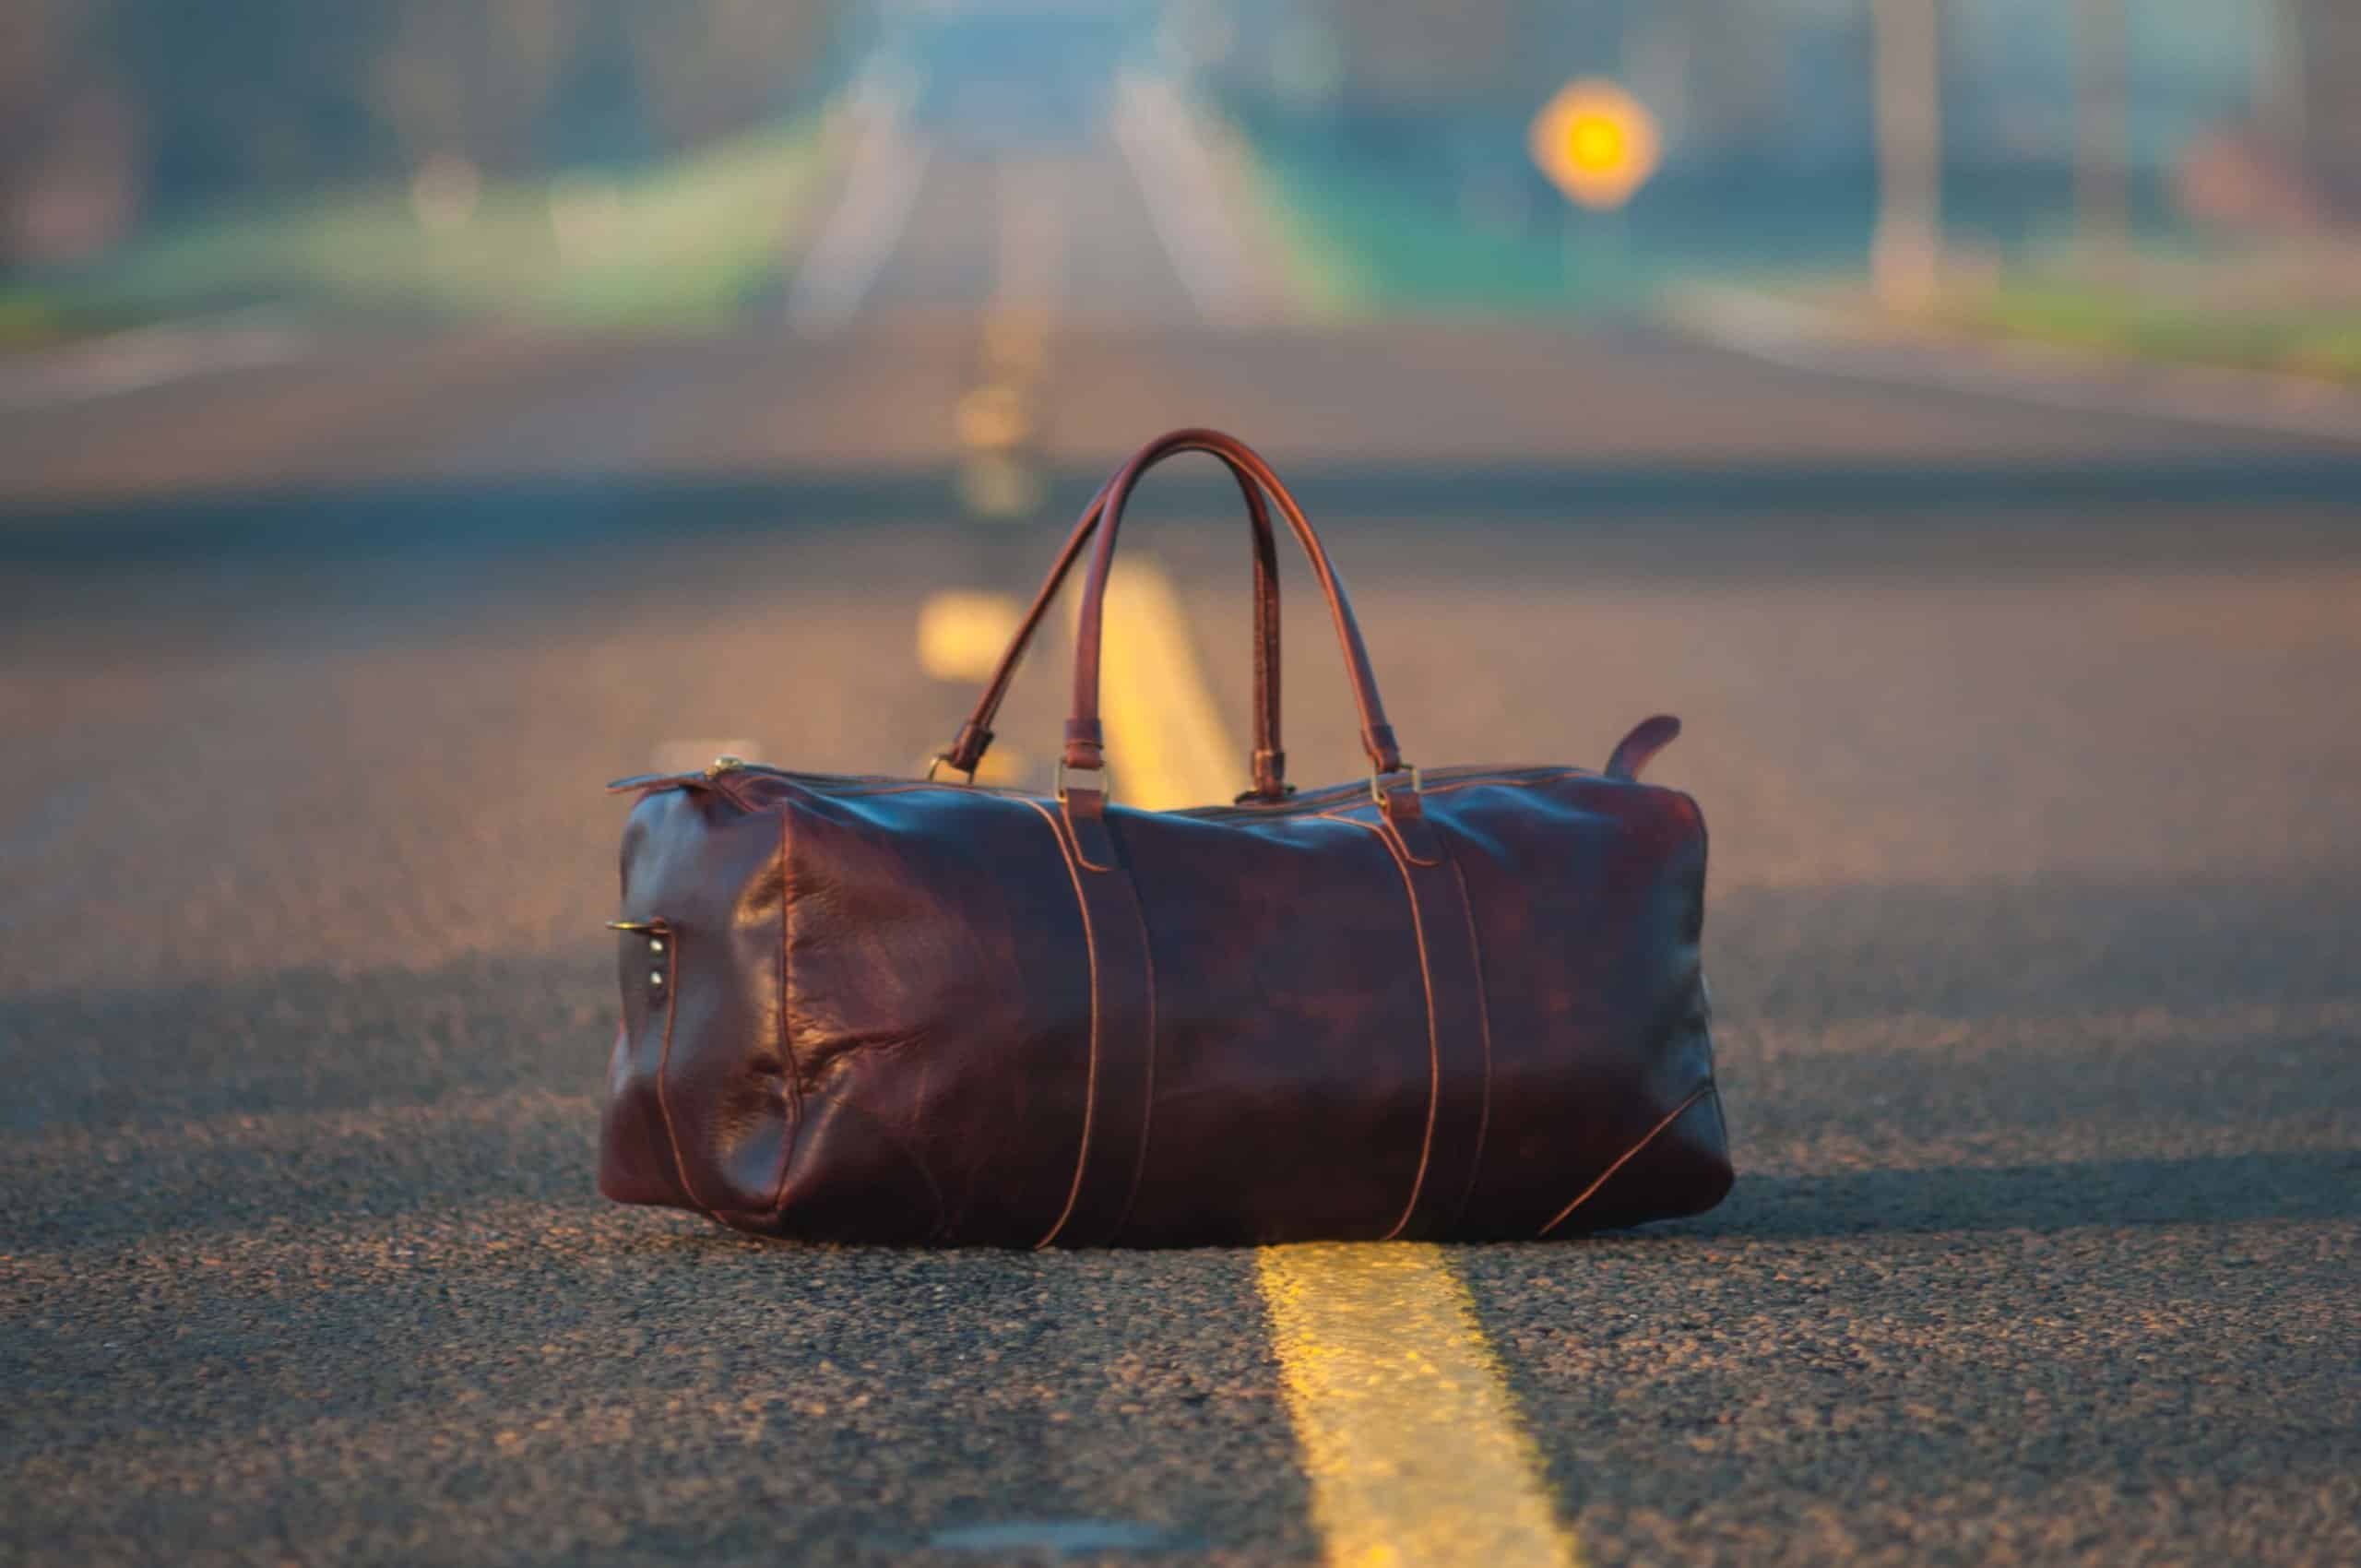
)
(2028, 739)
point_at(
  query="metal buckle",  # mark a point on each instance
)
(1106, 775)
(1377, 786)
(939, 760)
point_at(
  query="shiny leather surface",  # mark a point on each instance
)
(1463, 1003)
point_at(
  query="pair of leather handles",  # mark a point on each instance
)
(1084, 740)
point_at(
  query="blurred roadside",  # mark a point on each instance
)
(554, 161)
(2178, 180)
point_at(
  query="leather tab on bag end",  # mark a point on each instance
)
(1648, 737)
(1270, 774)
(1406, 818)
(968, 750)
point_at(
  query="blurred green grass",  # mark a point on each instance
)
(2295, 335)
(1358, 240)
(687, 243)
(1354, 244)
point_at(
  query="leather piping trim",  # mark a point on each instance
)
(1434, 1046)
(853, 788)
(794, 1095)
(1147, 1090)
(1448, 785)
(1678, 1111)
(1484, 1017)
(1345, 812)
(1383, 827)
(664, 1067)
(1090, 1079)
(1118, 1107)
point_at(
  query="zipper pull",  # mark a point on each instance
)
(723, 764)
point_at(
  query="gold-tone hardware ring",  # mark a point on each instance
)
(1377, 787)
(939, 760)
(1106, 774)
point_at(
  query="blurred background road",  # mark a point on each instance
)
(386, 463)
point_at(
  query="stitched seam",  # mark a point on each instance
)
(1700, 1092)
(1484, 1033)
(1090, 1082)
(1434, 1046)
(664, 1066)
(794, 1096)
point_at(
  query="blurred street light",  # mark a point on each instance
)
(1596, 143)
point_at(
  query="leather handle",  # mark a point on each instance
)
(1084, 742)
(1269, 761)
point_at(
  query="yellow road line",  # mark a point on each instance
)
(1166, 743)
(1410, 1437)
(962, 633)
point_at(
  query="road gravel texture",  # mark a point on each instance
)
(2028, 742)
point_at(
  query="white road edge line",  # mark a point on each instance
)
(1799, 338)
(881, 186)
(144, 357)
(1185, 200)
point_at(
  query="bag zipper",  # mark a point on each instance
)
(713, 775)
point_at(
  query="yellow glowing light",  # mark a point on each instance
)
(961, 634)
(1598, 145)
(1595, 142)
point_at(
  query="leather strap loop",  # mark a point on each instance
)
(1269, 761)
(1120, 1090)
(1460, 1037)
(1459, 1024)
(1377, 736)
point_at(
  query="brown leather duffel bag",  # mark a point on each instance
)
(1463, 1003)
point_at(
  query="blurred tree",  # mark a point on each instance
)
(711, 66)
(116, 106)
(69, 146)
(470, 78)
(253, 96)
